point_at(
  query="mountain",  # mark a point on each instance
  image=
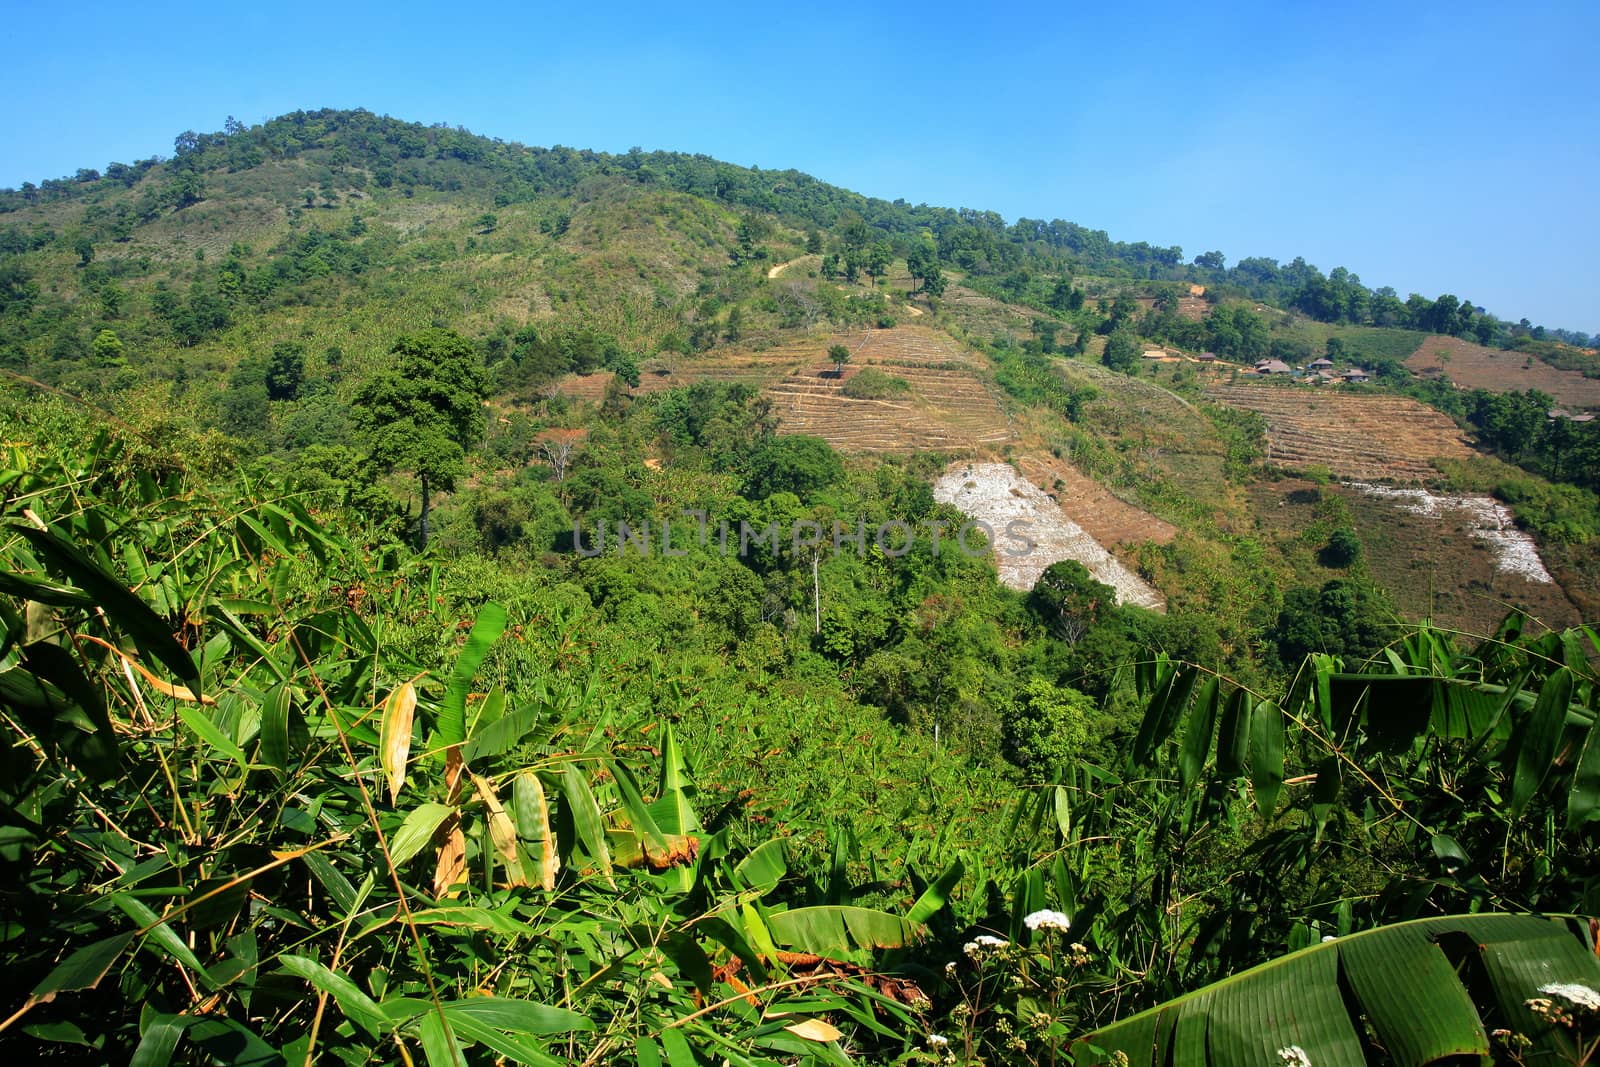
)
(259, 279)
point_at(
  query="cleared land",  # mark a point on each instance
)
(949, 407)
(994, 493)
(1107, 518)
(1476, 367)
(1433, 563)
(1363, 437)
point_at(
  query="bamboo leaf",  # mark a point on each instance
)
(83, 969)
(394, 737)
(453, 712)
(533, 826)
(1266, 756)
(502, 831)
(1197, 737)
(1584, 796)
(519, 1016)
(417, 830)
(586, 818)
(1233, 738)
(1144, 744)
(275, 728)
(356, 1005)
(1540, 738)
(208, 731)
(815, 1030)
(936, 895)
(451, 867)
(124, 608)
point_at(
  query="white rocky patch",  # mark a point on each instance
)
(1489, 521)
(995, 494)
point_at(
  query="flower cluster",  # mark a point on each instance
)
(983, 945)
(1047, 920)
(1294, 1056)
(1573, 992)
(1564, 1002)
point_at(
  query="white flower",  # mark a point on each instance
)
(1328, 937)
(1573, 992)
(982, 944)
(1047, 920)
(950, 969)
(937, 1041)
(1294, 1056)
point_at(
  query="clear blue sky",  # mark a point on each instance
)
(1432, 147)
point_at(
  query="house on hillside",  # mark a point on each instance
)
(1273, 366)
(1206, 357)
(1355, 376)
(1321, 377)
(1320, 364)
(1562, 413)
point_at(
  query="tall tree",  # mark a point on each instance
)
(425, 414)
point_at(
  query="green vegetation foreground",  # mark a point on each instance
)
(278, 790)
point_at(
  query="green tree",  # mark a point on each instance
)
(487, 222)
(794, 463)
(107, 349)
(1122, 350)
(1070, 600)
(840, 355)
(425, 414)
(1343, 548)
(286, 371)
(1346, 617)
(1046, 728)
(85, 250)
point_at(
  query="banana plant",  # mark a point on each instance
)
(1415, 993)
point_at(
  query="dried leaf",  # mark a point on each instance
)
(453, 766)
(394, 738)
(533, 823)
(815, 1030)
(502, 831)
(452, 866)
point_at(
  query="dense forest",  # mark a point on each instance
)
(433, 633)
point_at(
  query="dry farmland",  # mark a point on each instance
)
(1355, 435)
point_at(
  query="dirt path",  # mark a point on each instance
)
(773, 272)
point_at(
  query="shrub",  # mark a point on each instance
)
(870, 383)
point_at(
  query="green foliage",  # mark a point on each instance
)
(1122, 350)
(871, 383)
(793, 463)
(424, 415)
(1046, 729)
(1343, 548)
(1346, 617)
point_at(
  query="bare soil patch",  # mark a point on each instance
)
(1476, 367)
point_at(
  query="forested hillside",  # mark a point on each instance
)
(466, 602)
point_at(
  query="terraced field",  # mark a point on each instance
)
(949, 408)
(1368, 438)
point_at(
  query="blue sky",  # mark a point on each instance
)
(1431, 147)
